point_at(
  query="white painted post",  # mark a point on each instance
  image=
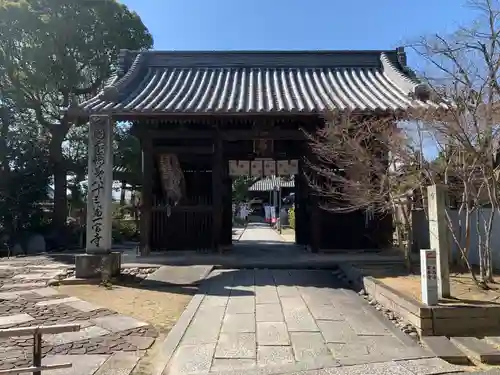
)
(428, 274)
(100, 185)
(439, 236)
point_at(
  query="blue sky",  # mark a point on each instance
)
(296, 24)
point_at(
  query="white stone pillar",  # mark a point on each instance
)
(428, 274)
(100, 185)
(439, 236)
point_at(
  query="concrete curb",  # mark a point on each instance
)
(174, 337)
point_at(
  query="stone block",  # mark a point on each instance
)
(119, 363)
(90, 266)
(199, 332)
(23, 286)
(14, 319)
(232, 364)
(118, 323)
(83, 306)
(477, 349)
(46, 292)
(274, 355)
(269, 312)
(69, 337)
(234, 323)
(82, 364)
(58, 301)
(336, 332)
(266, 294)
(308, 345)
(372, 369)
(297, 315)
(241, 305)
(444, 349)
(429, 366)
(190, 359)
(325, 312)
(272, 333)
(236, 345)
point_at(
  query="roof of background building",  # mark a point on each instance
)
(270, 183)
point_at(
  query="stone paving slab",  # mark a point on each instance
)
(178, 275)
(82, 364)
(24, 286)
(236, 345)
(119, 364)
(429, 366)
(272, 333)
(444, 349)
(46, 292)
(15, 319)
(274, 355)
(478, 349)
(83, 306)
(117, 323)
(67, 337)
(190, 359)
(58, 301)
(25, 300)
(271, 318)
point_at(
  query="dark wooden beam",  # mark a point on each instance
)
(184, 150)
(228, 135)
(217, 190)
(147, 195)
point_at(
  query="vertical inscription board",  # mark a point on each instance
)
(100, 185)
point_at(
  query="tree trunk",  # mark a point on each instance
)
(60, 211)
(122, 193)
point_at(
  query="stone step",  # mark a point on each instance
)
(493, 340)
(477, 349)
(444, 349)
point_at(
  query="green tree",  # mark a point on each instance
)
(241, 184)
(58, 51)
(128, 157)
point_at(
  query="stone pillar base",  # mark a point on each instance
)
(91, 266)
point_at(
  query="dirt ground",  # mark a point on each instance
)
(160, 308)
(463, 289)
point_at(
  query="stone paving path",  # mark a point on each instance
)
(260, 232)
(270, 321)
(107, 342)
(252, 319)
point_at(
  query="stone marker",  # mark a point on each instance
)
(478, 349)
(444, 349)
(439, 236)
(428, 277)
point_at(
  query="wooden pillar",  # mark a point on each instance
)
(217, 190)
(146, 194)
(316, 222)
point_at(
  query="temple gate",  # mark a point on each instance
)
(202, 115)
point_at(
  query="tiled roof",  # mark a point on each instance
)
(259, 82)
(269, 184)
